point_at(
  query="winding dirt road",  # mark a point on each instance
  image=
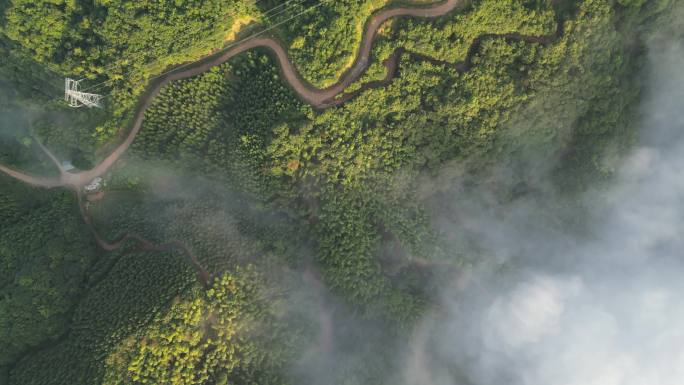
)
(319, 98)
(202, 274)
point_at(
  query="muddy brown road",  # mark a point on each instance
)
(319, 98)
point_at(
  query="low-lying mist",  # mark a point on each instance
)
(556, 308)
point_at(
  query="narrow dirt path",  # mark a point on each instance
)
(202, 274)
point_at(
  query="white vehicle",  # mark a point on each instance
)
(93, 186)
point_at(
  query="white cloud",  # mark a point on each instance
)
(612, 311)
(533, 311)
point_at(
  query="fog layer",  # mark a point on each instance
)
(606, 309)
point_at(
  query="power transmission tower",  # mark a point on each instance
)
(76, 98)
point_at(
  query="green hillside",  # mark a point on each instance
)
(300, 214)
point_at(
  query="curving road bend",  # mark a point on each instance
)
(319, 98)
(202, 274)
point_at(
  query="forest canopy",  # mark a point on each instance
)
(313, 231)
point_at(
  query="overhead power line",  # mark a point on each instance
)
(269, 28)
(267, 14)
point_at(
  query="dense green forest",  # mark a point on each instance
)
(289, 207)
